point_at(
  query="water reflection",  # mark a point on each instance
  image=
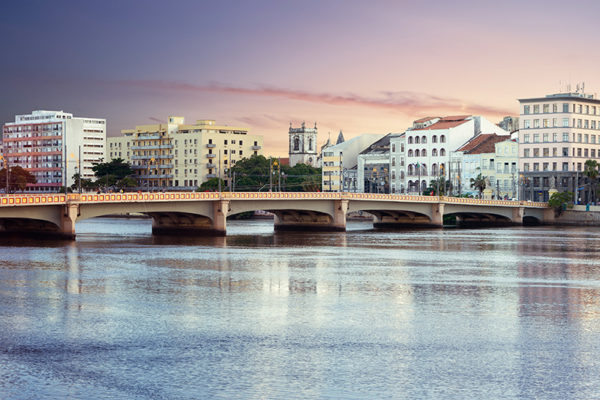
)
(493, 313)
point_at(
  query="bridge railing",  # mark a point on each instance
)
(39, 199)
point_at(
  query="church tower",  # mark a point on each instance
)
(303, 145)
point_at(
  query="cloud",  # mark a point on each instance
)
(406, 102)
(154, 119)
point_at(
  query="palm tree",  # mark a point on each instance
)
(591, 171)
(478, 183)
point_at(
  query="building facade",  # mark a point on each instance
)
(182, 156)
(429, 143)
(558, 133)
(303, 145)
(373, 167)
(54, 146)
(397, 162)
(494, 157)
(337, 160)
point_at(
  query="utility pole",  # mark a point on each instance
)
(270, 174)
(219, 172)
(279, 174)
(80, 172)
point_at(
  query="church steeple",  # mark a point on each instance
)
(340, 138)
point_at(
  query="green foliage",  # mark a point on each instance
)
(117, 168)
(559, 200)
(18, 178)
(591, 171)
(211, 185)
(252, 174)
(479, 183)
(437, 187)
(126, 182)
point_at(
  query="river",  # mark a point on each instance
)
(455, 313)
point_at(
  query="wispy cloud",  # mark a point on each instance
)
(154, 119)
(406, 102)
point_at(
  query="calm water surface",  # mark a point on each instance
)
(119, 314)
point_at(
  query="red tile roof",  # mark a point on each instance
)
(483, 143)
(441, 125)
(424, 119)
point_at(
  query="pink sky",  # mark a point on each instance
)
(363, 67)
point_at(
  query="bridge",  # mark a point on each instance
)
(55, 215)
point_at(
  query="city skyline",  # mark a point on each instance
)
(345, 65)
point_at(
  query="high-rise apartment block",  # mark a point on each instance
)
(180, 155)
(54, 146)
(558, 133)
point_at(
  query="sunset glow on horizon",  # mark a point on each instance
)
(346, 65)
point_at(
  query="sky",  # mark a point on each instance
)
(356, 66)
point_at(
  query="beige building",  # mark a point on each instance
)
(182, 155)
(558, 133)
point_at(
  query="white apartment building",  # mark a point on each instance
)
(54, 146)
(179, 155)
(558, 133)
(429, 143)
(493, 156)
(340, 158)
(397, 162)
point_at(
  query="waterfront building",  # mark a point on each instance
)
(397, 162)
(558, 133)
(373, 167)
(430, 141)
(180, 155)
(509, 124)
(303, 145)
(338, 159)
(493, 156)
(54, 146)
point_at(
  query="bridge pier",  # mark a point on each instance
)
(517, 215)
(301, 220)
(176, 223)
(67, 221)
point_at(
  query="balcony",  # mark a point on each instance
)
(165, 166)
(211, 155)
(139, 167)
(165, 146)
(256, 147)
(148, 137)
(149, 147)
(211, 145)
(155, 176)
(209, 176)
(211, 165)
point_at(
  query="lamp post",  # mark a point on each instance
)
(5, 162)
(219, 172)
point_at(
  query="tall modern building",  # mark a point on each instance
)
(303, 145)
(54, 146)
(180, 155)
(558, 133)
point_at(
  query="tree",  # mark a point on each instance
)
(18, 178)
(211, 185)
(479, 183)
(437, 187)
(559, 200)
(591, 171)
(126, 182)
(117, 167)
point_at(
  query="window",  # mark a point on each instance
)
(526, 138)
(526, 167)
(593, 139)
(442, 139)
(417, 140)
(536, 138)
(492, 163)
(565, 122)
(555, 152)
(593, 153)
(434, 139)
(393, 147)
(536, 166)
(565, 166)
(442, 152)
(536, 109)
(554, 107)
(565, 137)
(579, 123)
(424, 153)
(565, 107)
(546, 152)
(546, 108)
(424, 139)
(545, 137)
(545, 123)
(555, 137)
(410, 140)
(526, 109)
(526, 153)
(225, 142)
(536, 123)
(545, 166)
(554, 166)
(434, 153)
(554, 122)
(579, 137)
(536, 152)
(586, 138)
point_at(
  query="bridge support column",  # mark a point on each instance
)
(549, 216)
(67, 221)
(339, 216)
(517, 215)
(220, 210)
(437, 215)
